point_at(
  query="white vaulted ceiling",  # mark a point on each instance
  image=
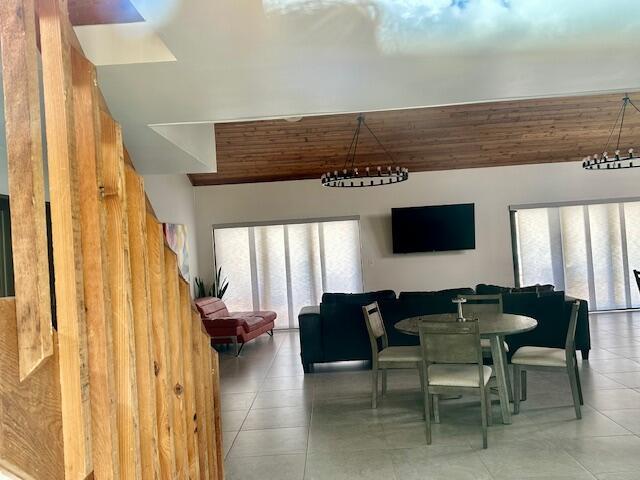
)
(251, 59)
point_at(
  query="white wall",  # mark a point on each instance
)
(491, 189)
(172, 198)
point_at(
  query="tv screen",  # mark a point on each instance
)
(434, 229)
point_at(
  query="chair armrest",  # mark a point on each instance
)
(310, 324)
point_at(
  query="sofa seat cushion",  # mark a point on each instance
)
(454, 375)
(253, 322)
(400, 354)
(540, 356)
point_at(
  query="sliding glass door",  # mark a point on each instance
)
(588, 250)
(285, 266)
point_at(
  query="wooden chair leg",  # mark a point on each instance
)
(384, 382)
(579, 384)
(421, 374)
(436, 409)
(427, 414)
(575, 392)
(487, 391)
(523, 385)
(517, 388)
(374, 387)
(483, 411)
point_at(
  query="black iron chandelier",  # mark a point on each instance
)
(350, 177)
(618, 160)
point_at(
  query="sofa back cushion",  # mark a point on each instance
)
(427, 303)
(487, 289)
(359, 299)
(211, 307)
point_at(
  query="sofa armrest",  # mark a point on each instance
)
(310, 324)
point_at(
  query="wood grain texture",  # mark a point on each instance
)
(21, 91)
(161, 348)
(100, 12)
(141, 297)
(67, 248)
(30, 416)
(217, 419)
(199, 373)
(212, 442)
(422, 139)
(121, 299)
(174, 316)
(190, 415)
(106, 460)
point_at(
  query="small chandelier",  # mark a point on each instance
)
(619, 160)
(351, 177)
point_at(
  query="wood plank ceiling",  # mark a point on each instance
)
(100, 12)
(422, 139)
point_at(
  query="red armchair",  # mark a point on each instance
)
(236, 327)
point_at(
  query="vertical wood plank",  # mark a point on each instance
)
(26, 182)
(30, 417)
(121, 304)
(217, 420)
(207, 359)
(96, 280)
(199, 374)
(191, 418)
(161, 353)
(177, 362)
(141, 296)
(67, 256)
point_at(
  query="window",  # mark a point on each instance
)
(283, 267)
(589, 250)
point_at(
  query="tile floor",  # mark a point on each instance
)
(283, 425)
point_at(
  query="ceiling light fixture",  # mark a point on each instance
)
(625, 160)
(350, 177)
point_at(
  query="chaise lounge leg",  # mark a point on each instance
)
(270, 332)
(238, 350)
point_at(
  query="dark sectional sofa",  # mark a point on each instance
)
(335, 331)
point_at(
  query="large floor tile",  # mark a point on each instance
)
(617, 399)
(236, 401)
(298, 382)
(439, 463)
(629, 419)
(628, 379)
(364, 465)
(261, 418)
(562, 423)
(615, 365)
(528, 458)
(346, 438)
(283, 398)
(273, 441)
(281, 467)
(227, 441)
(605, 454)
(232, 420)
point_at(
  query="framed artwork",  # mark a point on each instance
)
(176, 235)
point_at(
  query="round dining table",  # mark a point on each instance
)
(493, 326)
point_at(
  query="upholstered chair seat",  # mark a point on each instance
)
(451, 375)
(540, 356)
(400, 354)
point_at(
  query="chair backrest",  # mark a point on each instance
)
(211, 307)
(570, 343)
(636, 274)
(375, 326)
(482, 304)
(451, 342)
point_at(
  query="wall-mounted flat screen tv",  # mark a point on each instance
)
(434, 228)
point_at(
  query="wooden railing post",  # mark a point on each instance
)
(26, 182)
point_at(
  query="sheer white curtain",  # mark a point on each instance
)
(589, 251)
(286, 266)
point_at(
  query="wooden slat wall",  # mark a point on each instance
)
(106, 459)
(26, 182)
(65, 219)
(130, 389)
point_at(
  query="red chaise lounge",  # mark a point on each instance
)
(236, 327)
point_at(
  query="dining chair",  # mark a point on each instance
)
(483, 304)
(453, 365)
(530, 357)
(384, 357)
